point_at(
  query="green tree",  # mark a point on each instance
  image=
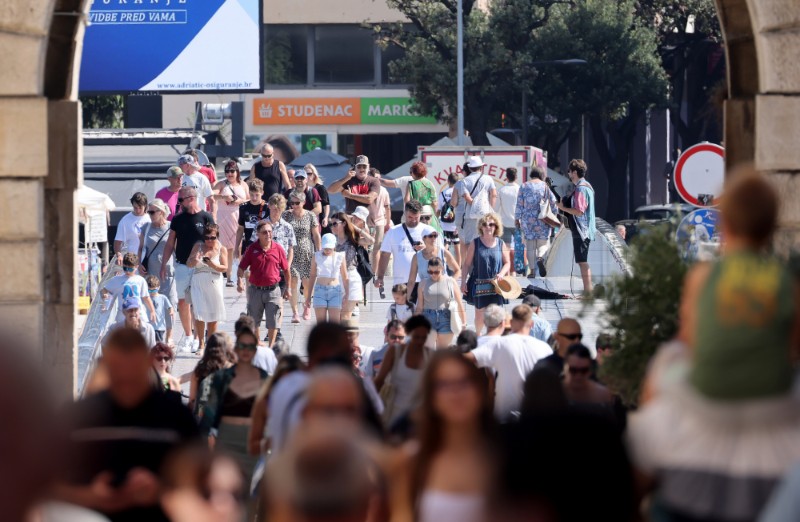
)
(491, 40)
(622, 79)
(642, 310)
(103, 112)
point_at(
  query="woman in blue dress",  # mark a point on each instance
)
(487, 260)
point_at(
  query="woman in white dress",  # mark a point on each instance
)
(209, 261)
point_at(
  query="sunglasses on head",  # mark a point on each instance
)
(571, 337)
(209, 238)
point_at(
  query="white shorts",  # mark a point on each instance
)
(183, 279)
(355, 292)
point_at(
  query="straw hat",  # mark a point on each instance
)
(508, 287)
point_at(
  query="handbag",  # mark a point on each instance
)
(546, 215)
(363, 266)
(455, 318)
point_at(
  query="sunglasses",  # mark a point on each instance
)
(209, 238)
(489, 225)
(334, 223)
(153, 290)
(425, 218)
(432, 235)
(247, 346)
(151, 212)
(434, 272)
(571, 337)
(231, 171)
(128, 269)
(163, 359)
(181, 200)
(295, 203)
(266, 155)
(584, 370)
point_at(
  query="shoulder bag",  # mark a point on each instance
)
(147, 256)
(546, 214)
(455, 318)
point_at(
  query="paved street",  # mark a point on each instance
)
(373, 318)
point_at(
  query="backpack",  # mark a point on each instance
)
(447, 214)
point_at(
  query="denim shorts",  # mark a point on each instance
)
(440, 319)
(328, 296)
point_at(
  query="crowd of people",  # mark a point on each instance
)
(512, 420)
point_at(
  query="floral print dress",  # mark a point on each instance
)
(304, 248)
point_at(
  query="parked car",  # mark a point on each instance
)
(653, 215)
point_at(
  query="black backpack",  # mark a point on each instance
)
(363, 266)
(447, 214)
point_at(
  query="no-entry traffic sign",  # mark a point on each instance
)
(700, 174)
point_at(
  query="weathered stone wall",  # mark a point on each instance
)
(39, 172)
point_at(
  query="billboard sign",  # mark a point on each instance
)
(333, 111)
(171, 46)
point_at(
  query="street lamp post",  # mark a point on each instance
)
(571, 61)
(460, 74)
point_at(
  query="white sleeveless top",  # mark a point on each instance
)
(444, 506)
(329, 266)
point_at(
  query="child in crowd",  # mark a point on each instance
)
(164, 312)
(401, 310)
(130, 284)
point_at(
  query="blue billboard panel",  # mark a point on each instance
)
(172, 46)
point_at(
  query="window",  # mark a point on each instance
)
(392, 52)
(286, 54)
(336, 54)
(344, 54)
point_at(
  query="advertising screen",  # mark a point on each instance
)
(170, 46)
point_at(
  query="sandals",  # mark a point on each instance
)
(295, 318)
(306, 312)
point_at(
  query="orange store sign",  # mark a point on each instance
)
(287, 111)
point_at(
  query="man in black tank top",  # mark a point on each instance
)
(272, 172)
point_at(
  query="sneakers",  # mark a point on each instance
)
(195, 345)
(185, 344)
(542, 269)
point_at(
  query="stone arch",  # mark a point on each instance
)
(40, 171)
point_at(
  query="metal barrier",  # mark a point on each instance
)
(102, 313)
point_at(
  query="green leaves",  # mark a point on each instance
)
(642, 311)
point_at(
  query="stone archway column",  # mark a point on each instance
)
(40, 170)
(776, 28)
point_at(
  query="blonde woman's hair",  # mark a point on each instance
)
(498, 229)
(314, 172)
(278, 200)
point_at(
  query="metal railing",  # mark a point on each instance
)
(102, 313)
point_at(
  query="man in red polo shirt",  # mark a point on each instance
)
(265, 259)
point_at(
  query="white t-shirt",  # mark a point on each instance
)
(402, 183)
(396, 242)
(445, 196)
(480, 196)
(507, 200)
(265, 359)
(286, 403)
(123, 287)
(200, 183)
(403, 312)
(513, 357)
(128, 231)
